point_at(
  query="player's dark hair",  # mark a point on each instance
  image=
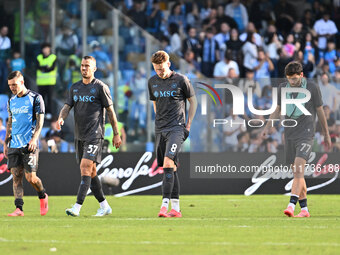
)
(292, 68)
(14, 74)
(159, 57)
(89, 58)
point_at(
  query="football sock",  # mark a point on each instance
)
(175, 190)
(83, 188)
(41, 194)
(19, 202)
(303, 204)
(168, 182)
(165, 203)
(293, 200)
(96, 188)
(167, 186)
(104, 204)
(175, 193)
(175, 204)
(77, 206)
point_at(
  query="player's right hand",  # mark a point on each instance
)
(60, 122)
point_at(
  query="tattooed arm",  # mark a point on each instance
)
(32, 145)
(8, 135)
(116, 141)
(63, 115)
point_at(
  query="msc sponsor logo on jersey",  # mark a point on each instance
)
(22, 109)
(166, 93)
(83, 98)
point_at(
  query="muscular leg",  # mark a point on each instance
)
(174, 196)
(86, 168)
(299, 183)
(34, 181)
(169, 163)
(18, 188)
(18, 176)
(96, 186)
(168, 181)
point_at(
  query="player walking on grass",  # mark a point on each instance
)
(169, 90)
(299, 139)
(26, 111)
(90, 98)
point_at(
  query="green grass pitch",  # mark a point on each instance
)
(219, 224)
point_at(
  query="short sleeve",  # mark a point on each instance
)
(105, 96)
(69, 99)
(39, 106)
(188, 89)
(151, 96)
(316, 95)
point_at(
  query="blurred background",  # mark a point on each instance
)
(245, 43)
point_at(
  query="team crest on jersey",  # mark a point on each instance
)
(174, 85)
(75, 98)
(93, 91)
(156, 94)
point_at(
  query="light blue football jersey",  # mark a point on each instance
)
(23, 112)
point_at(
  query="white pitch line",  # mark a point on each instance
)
(101, 242)
(112, 218)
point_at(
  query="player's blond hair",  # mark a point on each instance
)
(160, 57)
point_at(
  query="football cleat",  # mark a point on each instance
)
(289, 211)
(72, 212)
(303, 214)
(173, 213)
(16, 213)
(103, 211)
(44, 205)
(163, 212)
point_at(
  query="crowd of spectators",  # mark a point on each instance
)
(246, 43)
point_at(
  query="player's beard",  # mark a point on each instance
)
(85, 76)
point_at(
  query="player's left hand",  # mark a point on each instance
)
(32, 145)
(116, 141)
(327, 141)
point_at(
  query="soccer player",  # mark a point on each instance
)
(299, 139)
(90, 98)
(26, 111)
(169, 90)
